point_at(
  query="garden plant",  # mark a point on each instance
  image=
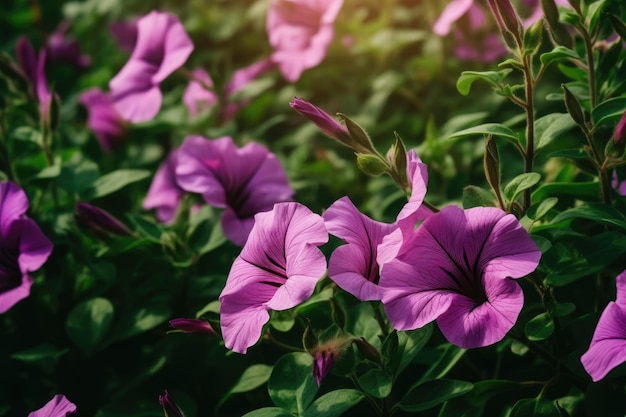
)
(313, 208)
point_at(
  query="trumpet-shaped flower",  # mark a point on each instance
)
(197, 96)
(277, 269)
(355, 266)
(103, 119)
(300, 32)
(243, 181)
(23, 247)
(162, 47)
(608, 344)
(165, 194)
(58, 406)
(459, 268)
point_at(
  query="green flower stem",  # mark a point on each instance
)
(529, 87)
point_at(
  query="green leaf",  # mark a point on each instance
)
(282, 321)
(334, 403)
(563, 309)
(432, 393)
(141, 318)
(539, 327)
(559, 53)
(473, 403)
(41, 353)
(291, 384)
(610, 110)
(474, 196)
(494, 129)
(467, 78)
(520, 183)
(550, 127)
(410, 343)
(376, 383)
(252, 378)
(449, 356)
(89, 322)
(580, 190)
(268, 412)
(596, 212)
(538, 211)
(114, 181)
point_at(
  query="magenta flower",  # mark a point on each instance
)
(103, 119)
(355, 266)
(453, 12)
(162, 47)
(58, 406)
(618, 185)
(198, 97)
(300, 32)
(276, 270)
(458, 268)
(243, 181)
(125, 33)
(192, 326)
(608, 344)
(165, 194)
(413, 210)
(61, 48)
(324, 121)
(100, 221)
(33, 67)
(23, 247)
(323, 362)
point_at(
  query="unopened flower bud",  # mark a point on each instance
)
(507, 19)
(192, 326)
(327, 124)
(619, 135)
(99, 221)
(169, 406)
(323, 362)
(367, 350)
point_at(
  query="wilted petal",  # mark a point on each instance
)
(354, 266)
(608, 344)
(278, 268)
(58, 406)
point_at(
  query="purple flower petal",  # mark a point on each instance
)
(125, 33)
(103, 119)
(61, 48)
(453, 12)
(277, 269)
(457, 268)
(325, 122)
(608, 344)
(244, 181)
(197, 97)
(164, 194)
(27, 59)
(354, 266)
(413, 210)
(162, 47)
(300, 32)
(58, 406)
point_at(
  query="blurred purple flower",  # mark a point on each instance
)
(103, 119)
(170, 409)
(198, 97)
(162, 47)
(300, 32)
(277, 269)
(33, 67)
(618, 185)
(240, 79)
(58, 406)
(165, 194)
(458, 268)
(61, 48)
(453, 12)
(355, 266)
(243, 181)
(608, 344)
(23, 247)
(192, 326)
(100, 221)
(125, 33)
(324, 121)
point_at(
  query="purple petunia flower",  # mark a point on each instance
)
(243, 181)
(58, 406)
(355, 266)
(23, 247)
(162, 47)
(197, 96)
(103, 119)
(62, 48)
(608, 344)
(125, 33)
(165, 194)
(323, 362)
(277, 269)
(300, 32)
(459, 268)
